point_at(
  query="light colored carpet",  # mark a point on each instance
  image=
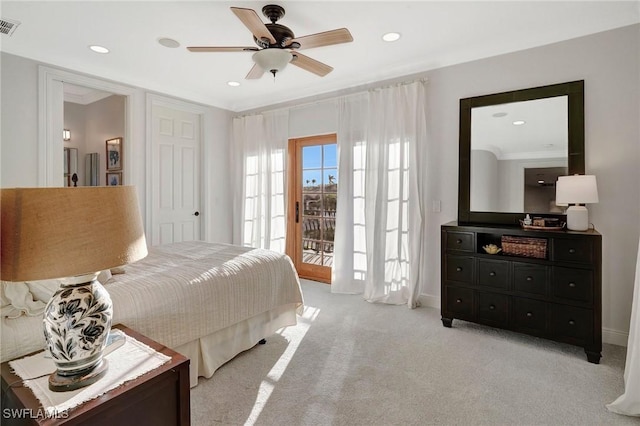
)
(348, 362)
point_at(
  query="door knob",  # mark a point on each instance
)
(196, 214)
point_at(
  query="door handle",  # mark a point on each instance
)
(297, 212)
(196, 214)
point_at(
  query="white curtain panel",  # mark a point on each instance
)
(379, 223)
(629, 402)
(350, 253)
(259, 156)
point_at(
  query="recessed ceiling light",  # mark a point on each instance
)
(168, 42)
(499, 114)
(541, 181)
(233, 83)
(519, 122)
(99, 49)
(391, 36)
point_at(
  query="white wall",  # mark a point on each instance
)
(19, 119)
(609, 64)
(19, 143)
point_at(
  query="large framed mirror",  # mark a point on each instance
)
(513, 147)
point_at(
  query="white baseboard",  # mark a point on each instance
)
(613, 337)
(430, 301)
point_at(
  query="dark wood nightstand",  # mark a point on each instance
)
(159, 397)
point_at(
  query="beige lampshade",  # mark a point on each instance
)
(62, 232)
(576, 189)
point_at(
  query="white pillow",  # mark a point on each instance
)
(17, 300)
(30, 298)
(43, 290)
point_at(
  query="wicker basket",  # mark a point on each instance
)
(524, 246)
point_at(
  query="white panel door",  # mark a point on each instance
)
(175, 175)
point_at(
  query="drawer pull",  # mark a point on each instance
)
(572, 285)
(492, 274)
(492, 307)
(458, 241)
(529, 278)
(458, 300)
(572, 322)
(529, 314)
(459, 269)
(572, 251)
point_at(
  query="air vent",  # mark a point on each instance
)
(8, 26)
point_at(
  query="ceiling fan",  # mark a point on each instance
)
(277, 45)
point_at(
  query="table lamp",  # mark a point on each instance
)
(71, 234)
(576, 191)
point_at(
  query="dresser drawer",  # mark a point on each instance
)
(493, 273)
(460, 241)
(460, 301)
(529, 315)
(569, 250)
(492, 307)
(460, 269)
(570, 322)
(572, 284)
(530, 278)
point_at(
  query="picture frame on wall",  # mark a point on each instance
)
(114, 154)
(114, 178)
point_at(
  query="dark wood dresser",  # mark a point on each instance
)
(556, 295)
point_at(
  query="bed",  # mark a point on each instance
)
(208, 301)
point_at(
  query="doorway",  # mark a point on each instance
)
(91, 117)
(313, 193)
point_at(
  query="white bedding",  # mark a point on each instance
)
(183, 292)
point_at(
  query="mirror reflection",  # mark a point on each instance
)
(518, 150)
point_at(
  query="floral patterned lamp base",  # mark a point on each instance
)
(77, 321)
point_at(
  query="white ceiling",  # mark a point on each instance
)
(434, 34)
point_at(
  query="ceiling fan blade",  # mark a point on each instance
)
(311, 65)
(251, 20)
(222, 49)
(255, 72)
(326, 38)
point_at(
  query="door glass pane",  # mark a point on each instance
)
(311, 180)
(330, 180)
(330, 156)
(312, 157)
(319, 202)
(311, 204)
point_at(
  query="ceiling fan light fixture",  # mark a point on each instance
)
(272, 59)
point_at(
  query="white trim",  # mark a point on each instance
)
(614, 337)
(206, 129)
(87, 99)
(47, 137)
(610, 336)
(430, 301)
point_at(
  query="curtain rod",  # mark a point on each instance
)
(335, 98)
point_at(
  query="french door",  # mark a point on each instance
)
(313, 193)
